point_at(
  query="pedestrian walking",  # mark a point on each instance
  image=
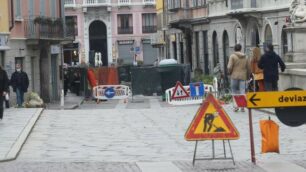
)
(238, 70)
(256, 71)
(20, 84)
(3, 89)
(270, 63)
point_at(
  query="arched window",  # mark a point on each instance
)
(255, 37)
(215, 49)
(238, 35)
(268, 35)
(284, 42)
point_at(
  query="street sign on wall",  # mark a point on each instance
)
(276, 99)
(211, 123)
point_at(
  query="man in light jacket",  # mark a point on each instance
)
(238, 69)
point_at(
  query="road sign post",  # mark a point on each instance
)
(253, 158)
(283, 102)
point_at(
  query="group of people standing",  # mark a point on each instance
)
(264, 68)
(19, 82)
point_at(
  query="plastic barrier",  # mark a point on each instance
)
(104, 92)
(188, 100)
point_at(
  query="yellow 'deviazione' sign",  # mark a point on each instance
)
(276, 99)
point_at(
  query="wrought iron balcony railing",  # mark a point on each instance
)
(70, 3)
(47, 28)
(149, 29)
(95, 3)
(125, 30)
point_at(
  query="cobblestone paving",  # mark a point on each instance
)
(130, 135)
(12, 125)
(148, 131)
(184, 166)
(68, 167)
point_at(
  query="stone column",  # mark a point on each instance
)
(194, 59)
(201, 50)
(178, 48)
(171, 47)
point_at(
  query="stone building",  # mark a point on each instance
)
(204, 32)
(118, 29)
(36, 34)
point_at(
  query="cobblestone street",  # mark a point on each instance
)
(99, 138)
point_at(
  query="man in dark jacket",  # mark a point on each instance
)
(20, 84)
(270, 62)
(3, 89)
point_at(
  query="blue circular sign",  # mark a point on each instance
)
(110, 92)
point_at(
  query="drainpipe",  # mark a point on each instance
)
(12, 15)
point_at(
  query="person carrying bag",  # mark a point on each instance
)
(3, 89)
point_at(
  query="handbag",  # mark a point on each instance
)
(7, 97)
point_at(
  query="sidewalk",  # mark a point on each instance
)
(14, 130)
(72, 101)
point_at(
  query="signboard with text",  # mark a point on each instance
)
(276, 99)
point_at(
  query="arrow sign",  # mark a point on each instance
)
(276, 99)
(253, 100)
(110, 92)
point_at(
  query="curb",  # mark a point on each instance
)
(22, 138)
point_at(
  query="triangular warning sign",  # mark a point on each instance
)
(211, 123)
(179, 92)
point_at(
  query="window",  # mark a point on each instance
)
(149, 23)
(17, 9)
(72, 25)
(237, 4)
(2, 59)
(53, 8)
(174, 4)
(284, 42)
(268, 35)
(198, 3)
(42, 7)
(125, 24)
(19, 60)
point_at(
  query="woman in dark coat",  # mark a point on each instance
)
(4, 82)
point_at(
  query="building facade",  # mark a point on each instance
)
(5, 26)
(204, 32)
(118, 29)
(35, 40)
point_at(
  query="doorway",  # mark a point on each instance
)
(98, 39)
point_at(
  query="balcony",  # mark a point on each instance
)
(180, 15)
(47, 29)
(157, 39)
(125, 30)
(96, 3)
(149, 2)
(70, 4)
(124, 2)
(149, 29)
